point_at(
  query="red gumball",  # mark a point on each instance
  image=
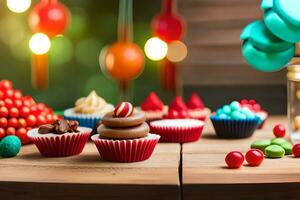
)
(49, 17)
(21, 133)
(123, 109)
(22, 123)
(13, 122)
(279, 130)
(8, 93)
(13, 112)
(234, 159)
(3, 122)
(41, 120)
(254, 157)
(18, 103)
(2, 133)
(296, 150)
(8, 103)
(1, 95)
(6, 84)
(10, 131)
(2, 103)
(49, 118)
(17, 94)
(31, 120)
(24, 111)
(3, 111)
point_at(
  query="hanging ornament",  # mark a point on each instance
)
(168, 25)
(47, 19)
(123, 60)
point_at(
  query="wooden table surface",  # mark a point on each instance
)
(30, 176)
(205, 173)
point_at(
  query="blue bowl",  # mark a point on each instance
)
(234, 129)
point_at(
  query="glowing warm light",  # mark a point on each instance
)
(156, 49)
(177, 51)
(39, 43)
(18, 6)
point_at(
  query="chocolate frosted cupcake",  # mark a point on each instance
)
(59, 139)
(153, 107)
(124, 136)
(88, 110)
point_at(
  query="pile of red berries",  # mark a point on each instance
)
(19, 113)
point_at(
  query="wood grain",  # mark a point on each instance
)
(37, 177)
(214, 48)
(204, 169)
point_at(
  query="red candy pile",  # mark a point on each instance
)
(251, 104)
(19, 113)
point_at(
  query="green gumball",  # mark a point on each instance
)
(10, 146)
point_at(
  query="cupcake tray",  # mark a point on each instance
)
(30, 176)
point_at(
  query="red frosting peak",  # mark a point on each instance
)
(178, 104)
(195, 102)
(152, 102)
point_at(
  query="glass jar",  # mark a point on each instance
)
(293, 99)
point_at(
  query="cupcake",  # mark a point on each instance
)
(88, 110)
(234, 121)
(177, 109)
(153, 107)
(60, 139)
(177, 130)
(124, 135)
(256, 108)
(196, 108)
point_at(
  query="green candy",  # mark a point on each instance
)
(274, 151)
(261, 144)
(227, 109)
(235, 105)
(10, 146)
(287, 148)
(278, 141)
(235, 114)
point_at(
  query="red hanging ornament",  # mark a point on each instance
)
(49, 17)
(168, 25)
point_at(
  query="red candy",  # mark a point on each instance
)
(152, 102)
(234, 159)
(254, 157)
(20, 113)
(123, 109)
(195, 102)
(296, 150)
(279, 130)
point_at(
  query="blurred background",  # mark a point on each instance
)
(214, 66)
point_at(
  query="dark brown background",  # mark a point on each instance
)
(215, 67)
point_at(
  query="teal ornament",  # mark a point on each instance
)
(10, 146)
(263, 50)
(282, 17)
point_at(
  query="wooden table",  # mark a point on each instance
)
(30, 176)
(205, 175)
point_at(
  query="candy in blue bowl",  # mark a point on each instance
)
(234, 121)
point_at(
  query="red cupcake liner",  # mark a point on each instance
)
(126, 150)
(61, 145)
(177, 134)
(262, 124)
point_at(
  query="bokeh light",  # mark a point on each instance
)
(177, 51)
(156, 49)
(39, 43)
(18, 6)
